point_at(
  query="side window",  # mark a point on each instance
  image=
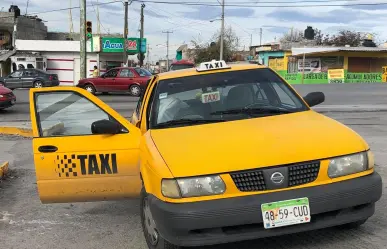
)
(17, 74)
(27, 74)
(112, 73)
(283, 96)
(66, 114)
(126, 73)
(30, 66)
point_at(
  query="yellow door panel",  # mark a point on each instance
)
(78, 158)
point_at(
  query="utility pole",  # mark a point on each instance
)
(125, 55)
(251, 40)
(147, 56)
(260, 36)
(142, 34)
(222, 33)
(83, 39)
(167, 32)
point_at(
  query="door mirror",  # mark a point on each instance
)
(314, 98)
(105, 127)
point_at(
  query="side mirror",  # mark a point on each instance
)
(314, 98)
(105, 127)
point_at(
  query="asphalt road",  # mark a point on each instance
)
(26, 223)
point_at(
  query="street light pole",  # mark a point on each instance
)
(82, 39)
(222, 33)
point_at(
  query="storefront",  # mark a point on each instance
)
(63, 57)
(358, 64)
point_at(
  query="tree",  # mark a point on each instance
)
(210, 51)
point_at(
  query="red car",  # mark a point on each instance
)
(7, 98)
(120, 79)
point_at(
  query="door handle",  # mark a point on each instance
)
(47, 149)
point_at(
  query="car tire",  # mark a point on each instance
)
(135, 90)
(105, 93)
(38, 84)
(90, 88)
(354, 225)
(154, 241)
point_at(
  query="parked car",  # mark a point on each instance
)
(27, 78)
(120, 79)
(7, 98)
(182, 64)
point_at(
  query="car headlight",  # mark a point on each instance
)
(193, 187)
(1, 96)
(350, 164)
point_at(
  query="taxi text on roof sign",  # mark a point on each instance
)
(212, 65)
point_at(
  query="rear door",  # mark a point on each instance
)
(73, 163)
(125, 79)
(28, 77)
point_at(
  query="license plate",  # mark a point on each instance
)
(285, 213)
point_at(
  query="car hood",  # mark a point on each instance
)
(4, 90)
(254, 143)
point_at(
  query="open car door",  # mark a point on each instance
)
(83, 149)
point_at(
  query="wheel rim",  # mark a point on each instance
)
(150, 224)
(135, 90)
(89, 89)
(38, 85)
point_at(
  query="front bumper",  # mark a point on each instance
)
(240, 218)
(7, 103)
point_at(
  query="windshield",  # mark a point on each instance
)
(180, 66)
(143, 72)
(220, 97)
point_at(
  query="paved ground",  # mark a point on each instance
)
(29, 224)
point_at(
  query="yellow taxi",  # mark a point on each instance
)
(217, 154)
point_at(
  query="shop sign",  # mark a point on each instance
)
(336, 76)
(311, 65)
(363, 77)
(116, 45)
(276, 64)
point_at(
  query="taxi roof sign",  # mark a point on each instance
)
(212, 65)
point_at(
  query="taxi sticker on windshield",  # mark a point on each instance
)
(210, 97)
(163, 95)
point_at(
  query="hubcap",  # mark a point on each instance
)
(150, 224)
(38, 85)
(89, 89)
(135, 90)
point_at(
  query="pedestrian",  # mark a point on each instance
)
(95, 72)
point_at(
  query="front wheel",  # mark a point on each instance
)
(149, 228)
(135, 90)
(90, 88)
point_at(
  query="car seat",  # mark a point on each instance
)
(239, 97)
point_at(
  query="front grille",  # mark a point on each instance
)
(249, 181)
(303, 173)
(254, 180)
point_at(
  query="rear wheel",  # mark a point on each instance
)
(149, 228)
(135, 90)
(90, 88)
(105, 93)
(38, 84)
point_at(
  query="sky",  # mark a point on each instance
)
(193, 22)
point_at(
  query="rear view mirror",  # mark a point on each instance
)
(105, 127)
(314, 98)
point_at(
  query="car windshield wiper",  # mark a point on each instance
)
(260, 110)
(188, 122)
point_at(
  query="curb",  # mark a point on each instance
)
(4, 169)
(27, 132)
(9, 130)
